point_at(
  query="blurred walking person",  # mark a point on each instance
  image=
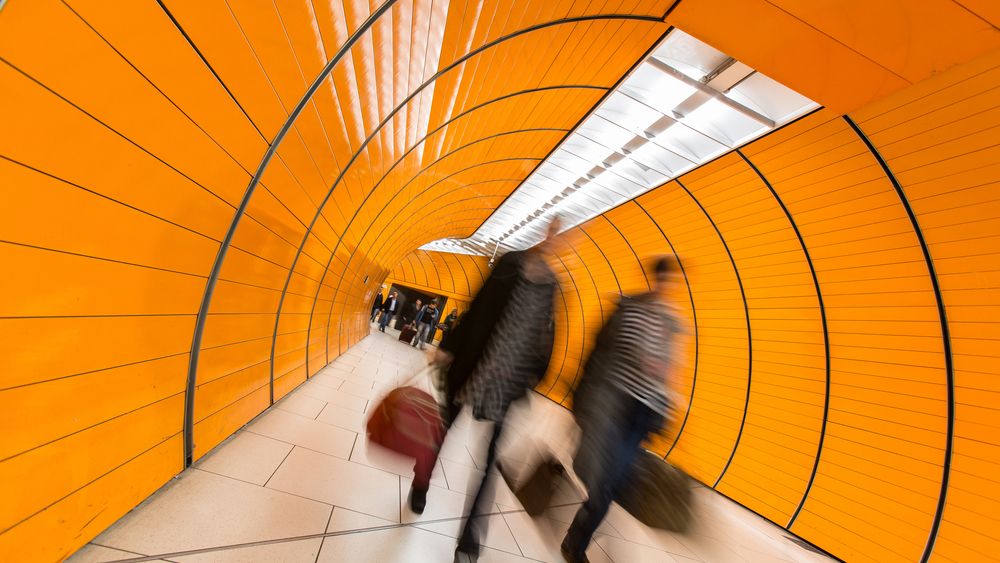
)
(377, 305)
(621, 399)
(426, 318)
(497, 352)
(388, 311)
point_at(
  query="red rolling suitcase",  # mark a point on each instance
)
(408, 421)
(407, 334)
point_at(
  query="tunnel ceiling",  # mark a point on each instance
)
(684, 105)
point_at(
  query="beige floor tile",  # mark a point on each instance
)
(443, 504)
(303, 551)
(565, 515)
(621, 551)
(345, 520)
(331, 379)
(373, 455)
(91, 553)
(539, 538)
(344, 418)
(299, 403)
(403, 545)
(201, 510)
(339, 482)
(335, 397)
(364, 390)
(301, 431)
(632, 530)
(247, 457)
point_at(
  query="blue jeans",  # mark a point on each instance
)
(637, 422)
(386, 318)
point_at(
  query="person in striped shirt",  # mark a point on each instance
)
(621, 399)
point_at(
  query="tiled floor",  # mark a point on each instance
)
(301, 483)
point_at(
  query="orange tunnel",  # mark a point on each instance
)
(202, 198)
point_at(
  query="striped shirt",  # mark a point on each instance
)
(642, 346)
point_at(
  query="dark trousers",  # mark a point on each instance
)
(478, 521)
(386, 317)
(637, 422)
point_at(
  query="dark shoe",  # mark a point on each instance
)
(568, 555)
(418, 500)
(466, 554)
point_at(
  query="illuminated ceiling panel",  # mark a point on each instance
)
(683, 106)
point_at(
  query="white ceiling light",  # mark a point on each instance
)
(683, 106)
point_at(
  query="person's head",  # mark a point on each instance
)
(393, 295)
(665, 269)
(419, 302)
(454, 312)
(432, 304)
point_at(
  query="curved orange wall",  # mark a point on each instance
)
(821, 371)
(195, 192)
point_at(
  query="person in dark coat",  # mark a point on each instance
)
(376, 305)
(497, 352)
(389, 309)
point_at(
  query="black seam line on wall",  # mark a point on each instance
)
(195, 123)
(610, 267)
(210, 67)
(746, 313)
(555, 378)
(694, 322)
(597, 104)
(945, 337)
(418, 144)
(389, 117)
(230, 234)
(414, 198)
(645, 278)
(124, 137)
(409, 257)
(670, 10)
(429, 166)
(583, 325)
(88, 483)
(826, 333)
(477, 197)
(407, 153)
(583, 313)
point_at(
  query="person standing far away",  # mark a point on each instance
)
(388, 311)
(620, 400)
(498, 351)
(410, 312)
(426, 318)
(377, 305)
(448, 323)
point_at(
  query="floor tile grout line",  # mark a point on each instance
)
(279, 466)
(326, 529)
(511, 530)
(316, 418)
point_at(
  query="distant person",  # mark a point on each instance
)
(388, 311)
(426, 319)
(376, 306)
(499, 351)
(447, 324)
(410, 312)
(620, 400)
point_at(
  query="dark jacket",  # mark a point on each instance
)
(467, 340)
(427, 316)
(378, 302)
(389, 302)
